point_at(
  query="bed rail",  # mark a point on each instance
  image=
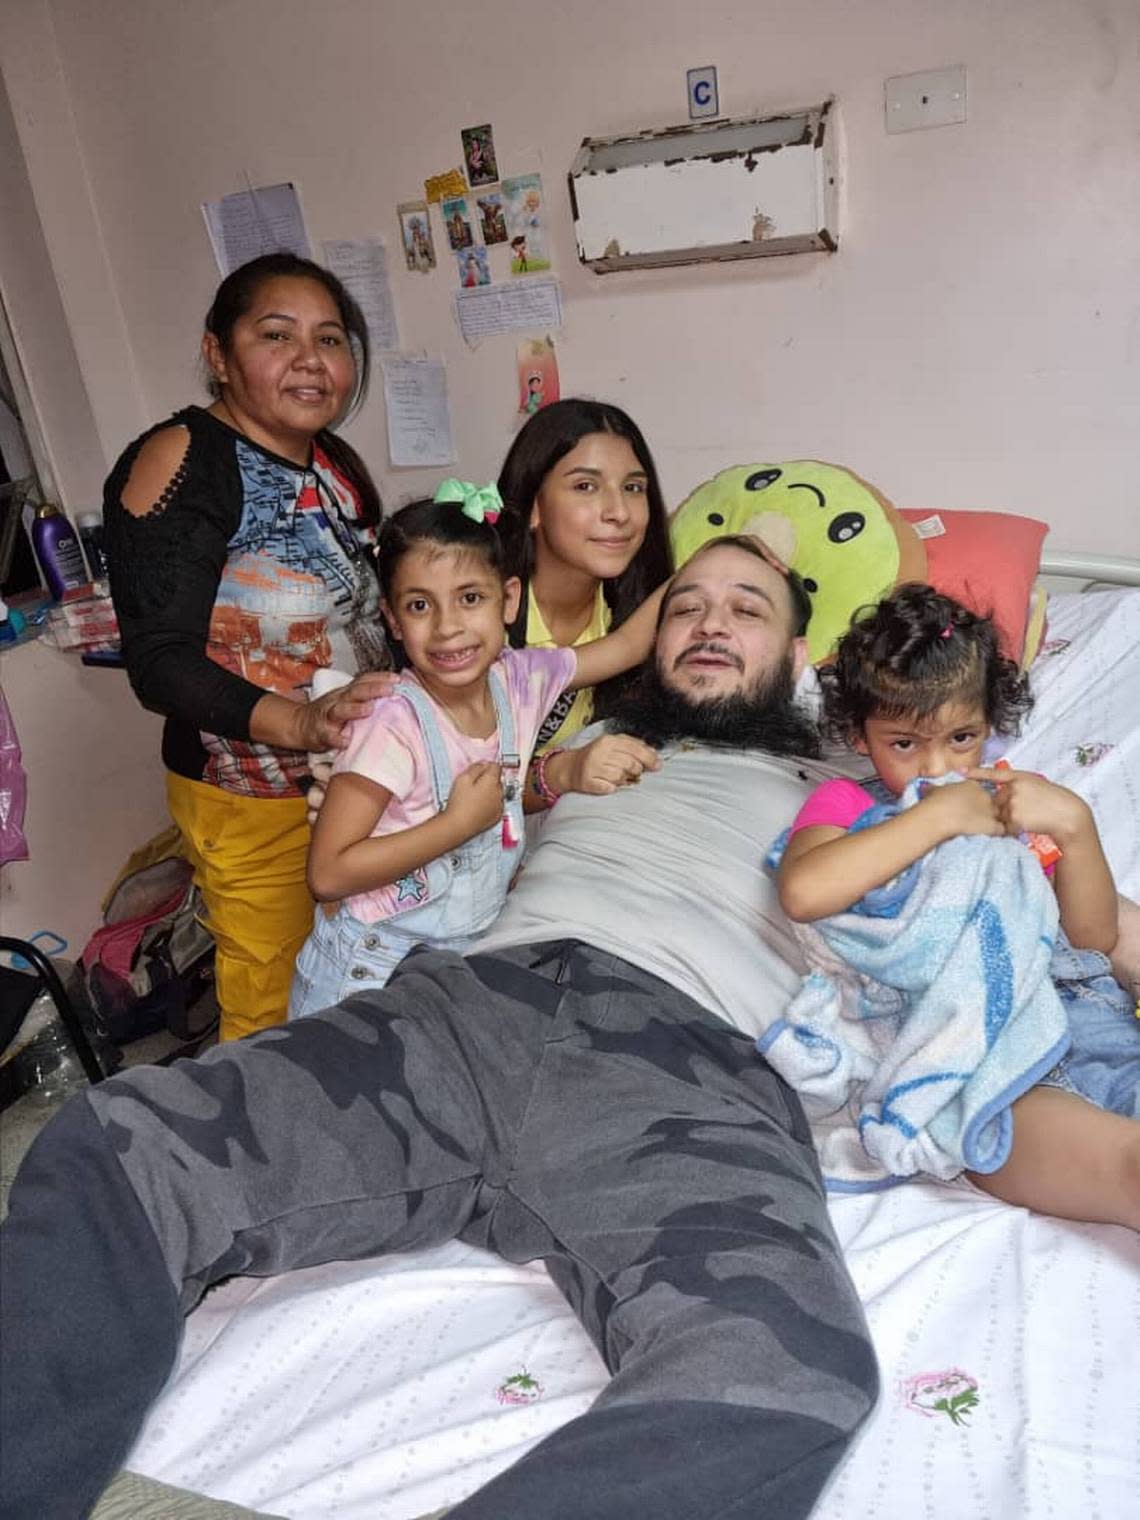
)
(1091, 569)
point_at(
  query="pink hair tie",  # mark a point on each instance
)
(947, 631)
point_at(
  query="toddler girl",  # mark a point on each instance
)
(420, 833)
(918, 685)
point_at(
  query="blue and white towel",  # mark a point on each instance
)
(930, 1010)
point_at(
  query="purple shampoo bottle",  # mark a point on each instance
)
(58, 551)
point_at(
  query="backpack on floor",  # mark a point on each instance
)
(153, 959)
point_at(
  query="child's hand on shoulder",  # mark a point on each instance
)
(610, 762)
(1029, 804)
(964, 807)
(476, 800)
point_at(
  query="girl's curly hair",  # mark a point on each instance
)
(909, 655)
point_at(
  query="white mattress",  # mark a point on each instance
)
(379, 1390)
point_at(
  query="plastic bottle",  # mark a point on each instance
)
(90, 526)
(41, 1060)
(52, 1067)
(58, 551)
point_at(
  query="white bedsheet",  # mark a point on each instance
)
(380, 1390)
(1084, 731)
(371, 1391)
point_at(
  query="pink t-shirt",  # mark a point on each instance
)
(834, 804)
(387, 747)
(837, 803)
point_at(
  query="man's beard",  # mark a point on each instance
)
(763, 716)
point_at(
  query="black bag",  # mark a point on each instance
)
(153, 960)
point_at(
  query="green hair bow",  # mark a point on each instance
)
(480, 503)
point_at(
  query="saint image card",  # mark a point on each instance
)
(538, 375)
(415, 234)
(491, 219)
(526, 226)
(473, 267)
(479, 155)
(457, 220)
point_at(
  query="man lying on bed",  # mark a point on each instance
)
(581, 1091)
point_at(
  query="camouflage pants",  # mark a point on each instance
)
(549, 1102)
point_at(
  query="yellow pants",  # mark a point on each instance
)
(248, 855)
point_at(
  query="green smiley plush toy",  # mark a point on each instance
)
(845, 540)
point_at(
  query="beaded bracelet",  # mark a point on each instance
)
(541, 785)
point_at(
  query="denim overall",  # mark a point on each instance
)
(455, 898)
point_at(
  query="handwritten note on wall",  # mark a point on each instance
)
(487, 310)
(254, 221)
(362, 265)
(419, 420)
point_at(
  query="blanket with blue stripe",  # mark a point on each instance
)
(928, 1011)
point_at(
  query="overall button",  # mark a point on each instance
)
(371, 941)
(456, 862)
(358, 973)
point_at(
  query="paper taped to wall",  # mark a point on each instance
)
(362, 265)
(257, 220)
(419, 420)
(491, 309)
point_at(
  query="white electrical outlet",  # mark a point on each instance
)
(934, 99)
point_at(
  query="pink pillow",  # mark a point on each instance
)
(988, 561)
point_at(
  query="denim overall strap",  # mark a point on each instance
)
(504, 717)
(439, 767)
(513, 824)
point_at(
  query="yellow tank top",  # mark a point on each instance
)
(574, 709)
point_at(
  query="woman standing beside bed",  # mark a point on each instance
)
(238, 537)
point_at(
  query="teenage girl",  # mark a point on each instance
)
(918, 685)
(585, 532)
(420, 833)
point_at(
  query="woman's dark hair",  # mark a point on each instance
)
(234, 298)
(546, 438)
(911, 654)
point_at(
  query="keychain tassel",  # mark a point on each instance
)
(508, 833)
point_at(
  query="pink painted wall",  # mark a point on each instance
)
(975, 342)
(95, 789)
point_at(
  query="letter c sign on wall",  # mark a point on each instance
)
(702, 93)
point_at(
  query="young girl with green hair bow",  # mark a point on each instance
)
(421, 832)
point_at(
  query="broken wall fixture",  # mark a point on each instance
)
(709, 191)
